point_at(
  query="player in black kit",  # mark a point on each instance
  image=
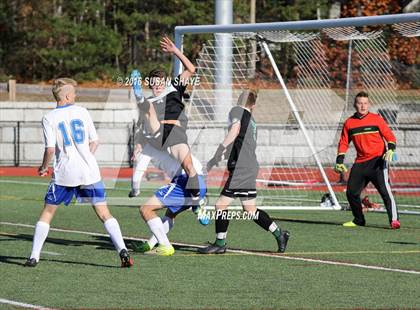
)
(239, 147)
(165, 119)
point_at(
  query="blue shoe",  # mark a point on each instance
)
(200, 211)
(138, 91)
(204, 220)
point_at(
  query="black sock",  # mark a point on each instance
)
(263, 219)
(194, 185)
(222, 224)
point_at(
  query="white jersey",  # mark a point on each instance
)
(69, 129)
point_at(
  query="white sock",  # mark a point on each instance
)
(135, 186)
(221, 235)
(157, 228)
(273, 227)
(114, 231)
(168, 223)
(41, 233)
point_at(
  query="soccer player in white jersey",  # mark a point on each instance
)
(70, 137)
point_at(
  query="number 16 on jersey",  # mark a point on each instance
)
(77, 131)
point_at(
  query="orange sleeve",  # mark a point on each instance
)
(343, 144)
(386, 132)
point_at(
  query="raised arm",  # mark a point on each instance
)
(169, 47)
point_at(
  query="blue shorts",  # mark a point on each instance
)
(57, 194)
(176, 197)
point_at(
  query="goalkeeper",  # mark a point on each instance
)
(367, 131)
(241, 142)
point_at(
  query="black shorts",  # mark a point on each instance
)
(241, 183)
(168, 135)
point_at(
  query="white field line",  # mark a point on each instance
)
(24, 182)
(311, 260)
(282, 198)
(51, 253)
(46, 184)
(22, 304)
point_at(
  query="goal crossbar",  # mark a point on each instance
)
(293, 25)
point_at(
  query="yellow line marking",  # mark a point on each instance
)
(364, 133)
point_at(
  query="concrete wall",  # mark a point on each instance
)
(114, 120)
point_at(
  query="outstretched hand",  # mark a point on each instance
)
(167, 45)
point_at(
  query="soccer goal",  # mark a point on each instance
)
(307, 74)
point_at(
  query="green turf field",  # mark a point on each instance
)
(81, 270)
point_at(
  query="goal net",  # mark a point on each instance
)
(306, 82)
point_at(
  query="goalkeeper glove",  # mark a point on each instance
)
(340, 168)
(390, 155)
(339, 164)
(218, 156)
(136, 80)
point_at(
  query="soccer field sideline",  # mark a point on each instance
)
(238, 251)
(22, 304)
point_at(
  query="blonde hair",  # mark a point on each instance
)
(62, 84)
(248, 97)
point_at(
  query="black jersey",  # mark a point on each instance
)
(242, 150)
(169, 105)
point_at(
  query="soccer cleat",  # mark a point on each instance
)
(165, 250)
(140, 246)
(133, 193)
(204, 220)
(212, 249)
(136, 80)
(200, 211)
(30, 262)
(395, 224)
(126, 260)
(282, 241)
(352, 224)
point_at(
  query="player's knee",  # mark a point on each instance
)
(145, 211)
(352, 195)
(189, 167)
(221, 206)
(47, 213)
(103, 213)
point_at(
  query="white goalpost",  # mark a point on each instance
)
(303, 99)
